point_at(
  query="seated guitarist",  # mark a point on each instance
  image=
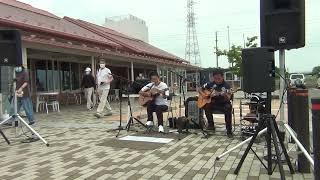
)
(160, 103)
(220, 102)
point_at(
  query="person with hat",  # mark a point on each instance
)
(88, 84)
(104, 78)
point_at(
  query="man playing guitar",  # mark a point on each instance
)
(219, 101)
(159, 104)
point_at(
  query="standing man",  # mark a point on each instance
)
(220, 102)
(160, 103)
(89, 85)
(104, 79)
(23, 94)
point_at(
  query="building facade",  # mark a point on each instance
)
(129, 25)
(57, 50)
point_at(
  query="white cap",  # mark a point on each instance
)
(88, 69)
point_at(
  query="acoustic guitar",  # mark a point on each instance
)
(205, 96)
(151, 95)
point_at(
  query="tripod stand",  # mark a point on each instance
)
(4, 137)
(131, 118)
(130, 114)
(119, 128)
(16, 117)
(273, 134)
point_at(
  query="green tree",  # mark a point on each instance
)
(234, 55)
(316, 70)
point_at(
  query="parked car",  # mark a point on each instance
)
(294, 77)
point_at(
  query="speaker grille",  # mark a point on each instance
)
(10, 48)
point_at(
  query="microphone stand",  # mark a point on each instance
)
(120, 105)
(181, 90)
(181, 81)
(131, 118)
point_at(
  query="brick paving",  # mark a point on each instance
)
(75, 152)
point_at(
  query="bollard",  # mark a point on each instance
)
(315, 106)
(298, 113)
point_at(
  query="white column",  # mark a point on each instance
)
(197, 80)
(282, 84)
(186, 83)
(167, 76)
(70, 77)
(171, 76)
(132, 71)
(93, 66)
(94, 71)
(53, 78)
(158, 69)
(24, 57)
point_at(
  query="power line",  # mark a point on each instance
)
(244, 28)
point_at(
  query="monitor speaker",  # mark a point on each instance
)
(10, 48)
(282, 23)
(258, 68)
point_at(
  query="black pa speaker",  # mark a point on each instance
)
(258, 70)
(10, 48)
(282, 23)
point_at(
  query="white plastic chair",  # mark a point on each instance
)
(117, 94)
(53, 101)
(41, 102)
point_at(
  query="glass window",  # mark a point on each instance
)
(75, 76)
(65, 76)
(50, 76)
(56, 76)
(41, 75)
(6, 81)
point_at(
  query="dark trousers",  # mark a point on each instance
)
(226, 108)
(159, 109)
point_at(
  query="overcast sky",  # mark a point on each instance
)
(166, 20)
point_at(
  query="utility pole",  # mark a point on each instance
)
(229, 44)
(217, 57)
(244, 41)
(228, 37)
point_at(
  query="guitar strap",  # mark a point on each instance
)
(150, 86)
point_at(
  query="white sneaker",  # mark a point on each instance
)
(161, 130)
(149, 123)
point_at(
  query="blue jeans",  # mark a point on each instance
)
(26, 103)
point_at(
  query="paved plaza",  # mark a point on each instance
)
(82, 147)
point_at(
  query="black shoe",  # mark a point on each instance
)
(230, 135)
(30, 123)
(7, 124)
(211, 128)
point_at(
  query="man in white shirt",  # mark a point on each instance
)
(160, 103)
(104, 79)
